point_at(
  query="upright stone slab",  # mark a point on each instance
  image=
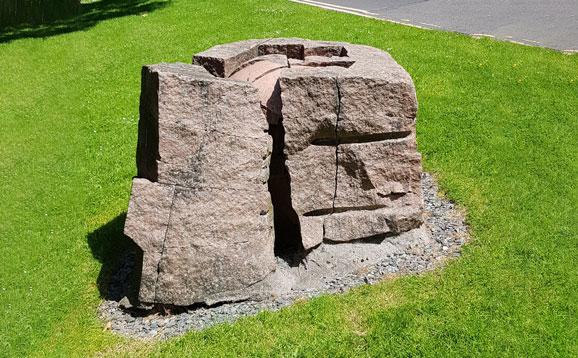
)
(200, 209)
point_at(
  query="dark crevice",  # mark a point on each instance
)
(392, 196)
(165, 309)
(328, 142)
(337, 141)
(374, 239)
(345, 64)
(164, 242)
(288, 242)
(319, 212)
(366, 138)
(337, 210)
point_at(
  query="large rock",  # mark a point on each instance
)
(321, 133)
(201, 211)
(354, 114)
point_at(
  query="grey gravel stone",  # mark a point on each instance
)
(125, 303)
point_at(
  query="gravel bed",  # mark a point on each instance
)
(443, 221)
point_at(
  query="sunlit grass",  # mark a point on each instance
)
(498, 123)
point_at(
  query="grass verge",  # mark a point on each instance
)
(498, 123)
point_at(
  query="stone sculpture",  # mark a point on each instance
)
(263, 148)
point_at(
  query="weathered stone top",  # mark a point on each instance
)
(361, 60)
(351, 65)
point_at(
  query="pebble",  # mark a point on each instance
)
(446, 225)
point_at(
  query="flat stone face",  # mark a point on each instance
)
(379, 174)
(216, 217)
(186, 114)
(290, 47)
(148, 213)
(377, 223)
(218, 244)
(324, 131)
(351, 225)
(220, 158)
(146, 224)
(311, 230)
(310, 104)
(371, 106)
(312, 173)
(223, 60)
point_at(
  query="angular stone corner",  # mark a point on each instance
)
(223, 60)
(322, 134)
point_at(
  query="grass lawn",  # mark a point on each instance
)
(498, 123)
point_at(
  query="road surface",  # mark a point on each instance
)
(545, 23)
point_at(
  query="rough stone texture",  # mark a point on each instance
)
(201, 212)
(378, 223)
(290, 47)
(223, 60)
(312, 173)
(192, 121)
(350, 109)
(310, 100)
(146, 223)
(219, 243)
(323, 133)
(381, 174)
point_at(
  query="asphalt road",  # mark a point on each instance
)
(546, 23)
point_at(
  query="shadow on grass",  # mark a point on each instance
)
(120, 258)
(89, 15)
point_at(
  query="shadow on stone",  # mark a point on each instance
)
(88, 15)
(120, 258)
(288, 243)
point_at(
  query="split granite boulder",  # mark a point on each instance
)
(263, 148)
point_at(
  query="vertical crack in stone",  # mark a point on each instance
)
(288, 240)
(336, 141)
(164, 242)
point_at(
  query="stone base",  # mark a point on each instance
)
(330, 261)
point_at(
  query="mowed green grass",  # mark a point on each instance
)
(498, 124)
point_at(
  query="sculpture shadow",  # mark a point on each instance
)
(121, 259)
(88, 15)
